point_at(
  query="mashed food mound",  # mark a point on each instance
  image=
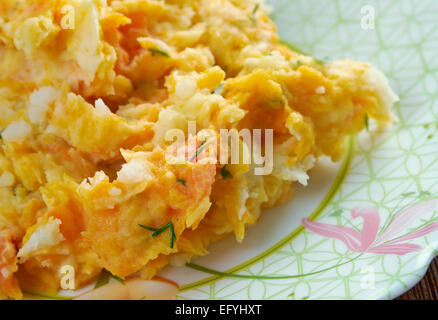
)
(89, 90)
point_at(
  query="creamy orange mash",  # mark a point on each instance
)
(88, 90)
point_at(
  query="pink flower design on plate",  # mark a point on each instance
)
(389, 242)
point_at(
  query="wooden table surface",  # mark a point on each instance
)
(427, 289)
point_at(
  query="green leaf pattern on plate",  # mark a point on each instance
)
(390, 170)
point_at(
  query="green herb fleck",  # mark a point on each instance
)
(426, 126)
(367, 122)
(105, 278)
(256, 8)
(156, 51)
(201, 147)
(430, 136)
(254, 12)
(225, 173)
(182, 181)
(157, 232)
(118, 279)
(305, 298)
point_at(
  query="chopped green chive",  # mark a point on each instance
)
(156, 51)
(430, 136)
(367, 122)
(201, 147)
(182, 181)
(118, 279)
(256, 8)
(157, 232)
(225, 173)
(105, 278)
(253, 13)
